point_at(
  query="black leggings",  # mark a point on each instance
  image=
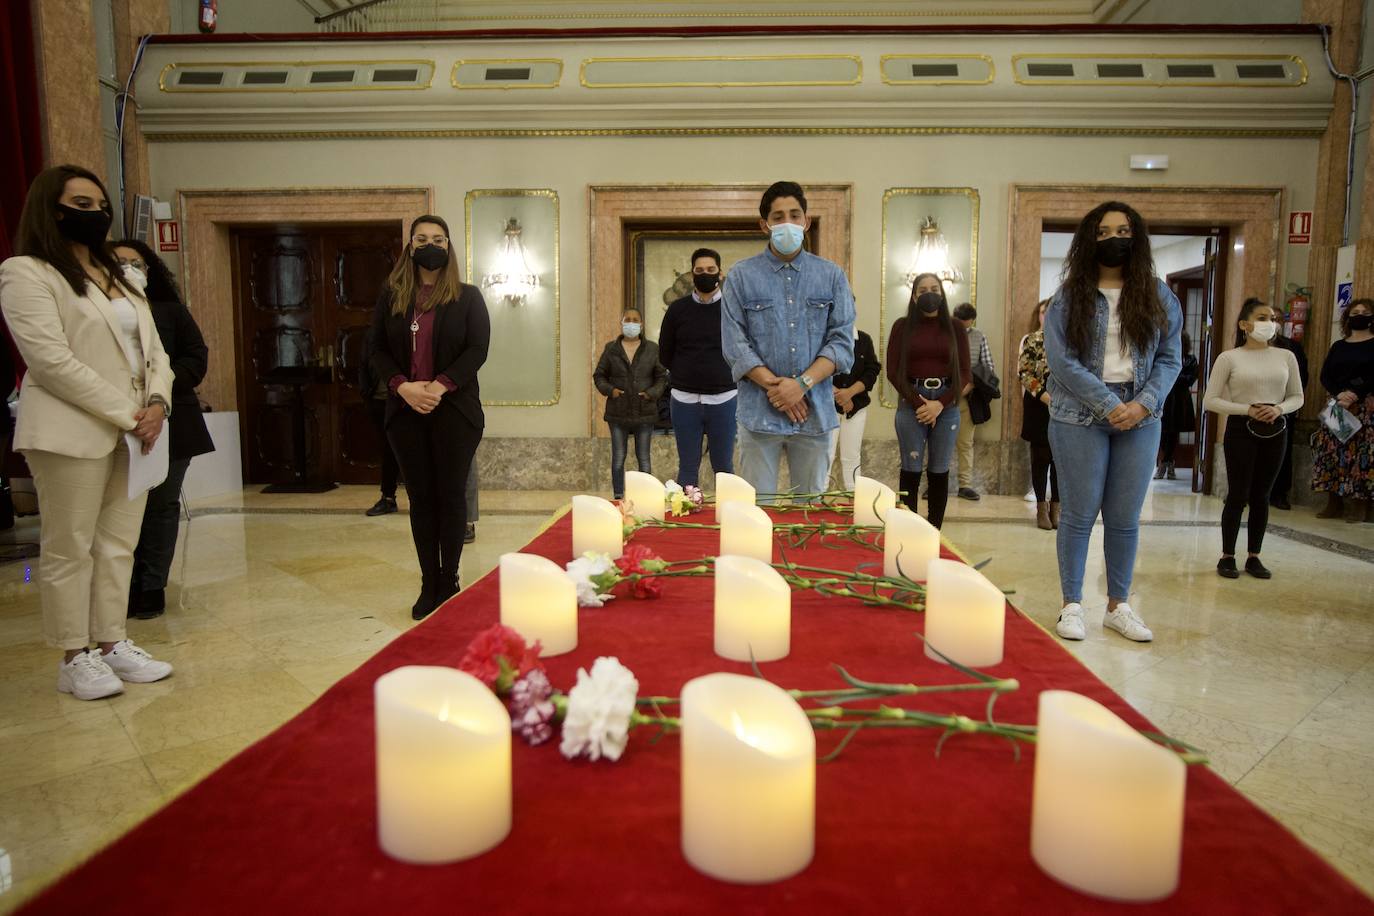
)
(435, 452)
(1042, 460)
(1252, 463)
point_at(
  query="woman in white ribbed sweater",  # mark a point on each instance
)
(1254, 386)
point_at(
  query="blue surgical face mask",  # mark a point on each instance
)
(630, 329)
(786, 238)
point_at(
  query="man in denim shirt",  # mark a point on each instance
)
(786, 327)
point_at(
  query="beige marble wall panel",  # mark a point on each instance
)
(207, 262)
(68, 91)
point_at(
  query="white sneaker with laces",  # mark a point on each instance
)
(1128, 623)
(1030, 496)
(87, 677)
(134, 665)
(1070, 625)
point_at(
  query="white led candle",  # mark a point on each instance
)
(871, 500)
(753, 616)
(1107, 810)
(597, 526)
(966, 614)
(647, 497)
(748, 780)
(909, 544)
(443, 765)
(539, 601)
(733, 489)
(745, 531)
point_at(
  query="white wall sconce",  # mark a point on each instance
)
(511, 279)
(930, 255)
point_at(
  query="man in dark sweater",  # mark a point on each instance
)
(703, 391)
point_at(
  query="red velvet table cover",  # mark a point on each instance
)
(290, 824)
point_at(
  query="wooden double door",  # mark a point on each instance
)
(304, 297)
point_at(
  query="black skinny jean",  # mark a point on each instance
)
(435, 452)
(1042, 464)
(1252, 462)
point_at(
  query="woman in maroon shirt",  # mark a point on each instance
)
(928, 365)
(430, 334)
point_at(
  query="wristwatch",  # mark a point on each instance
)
(805, 381)
(166, 408)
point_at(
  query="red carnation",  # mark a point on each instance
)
(498, 657)
(642, 562)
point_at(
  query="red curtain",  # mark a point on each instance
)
(20, 130)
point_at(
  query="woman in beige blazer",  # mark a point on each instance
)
(96, 370)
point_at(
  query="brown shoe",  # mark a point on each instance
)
(1359, 511)
(1054, 514)
(1335, 507)
(1042, 516)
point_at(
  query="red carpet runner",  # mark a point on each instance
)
(290, 823)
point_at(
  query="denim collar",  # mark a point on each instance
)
(778, 263)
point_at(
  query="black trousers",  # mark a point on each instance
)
(1283, 481)
(1042, 465)
(1251, 463)
(157, 541)
(435, 452)
(376, 409)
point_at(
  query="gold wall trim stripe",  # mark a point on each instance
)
(468, 199)
(1200, 58)
(1277, 133)
(164, 86)
(937, 81)
(693, 84)
(453, 74)
(1073, 12)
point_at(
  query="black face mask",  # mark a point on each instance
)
(430, 257)
(928, 303)
(706, 283)
(1114, 252)
(88, 227)
(1360, 322)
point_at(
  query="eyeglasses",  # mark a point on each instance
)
(421, 240)
(134, 262)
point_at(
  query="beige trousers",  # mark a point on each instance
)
(963, 445)
(89, 531)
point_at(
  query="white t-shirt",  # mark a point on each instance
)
(1116, 363)
(128, 326)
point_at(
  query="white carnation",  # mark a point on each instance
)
(599, 710)
(589, 573)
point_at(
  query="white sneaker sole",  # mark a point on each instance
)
(1072, 635)
(1148, 638)
(99, 694)
(142, 675)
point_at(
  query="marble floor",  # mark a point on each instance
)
(274, 598)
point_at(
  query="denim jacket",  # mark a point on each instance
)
(1077, 393)
(783, 315)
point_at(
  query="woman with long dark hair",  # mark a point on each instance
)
(1253, 386)
(98, 382)
(1345, 470)
(429, 337)
(1112, 343)
(1034, 372)
(928, 365)
(186, 431)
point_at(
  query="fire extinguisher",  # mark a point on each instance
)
(1297, 305)
(209, 15)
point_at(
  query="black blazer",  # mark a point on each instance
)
(190, 358)
(462, 334)
(865, 369)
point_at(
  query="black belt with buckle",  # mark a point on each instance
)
(930, 384)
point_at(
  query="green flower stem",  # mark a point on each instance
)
(638, 718)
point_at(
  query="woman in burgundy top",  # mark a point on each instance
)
(928, 365)
(429, 337)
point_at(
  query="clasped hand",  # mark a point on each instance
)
(1265, 413)
(422, 397)
(148, 425)
(928, 411)
(788, 396)
(1127, 416)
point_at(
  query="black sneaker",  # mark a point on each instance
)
(1281, 502)
(1226, 567)
(470, 533)
(969, 493)
(384, 506)
(1255, 568)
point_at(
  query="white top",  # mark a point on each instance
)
(128, 326)
(1116, 363)
(1243, 377)
(687, 397)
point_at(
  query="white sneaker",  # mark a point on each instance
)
(1030, 496)
(1128, 623)
(87, 677)
(1070, 625)
(134, 665)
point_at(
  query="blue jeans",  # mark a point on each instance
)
(1106, 471)
(620, 436)
(927, 447)
(808, 461)
(717, 422)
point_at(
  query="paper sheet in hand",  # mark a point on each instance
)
(146, 471)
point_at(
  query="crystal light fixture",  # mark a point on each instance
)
(930, 255)
(512, 279)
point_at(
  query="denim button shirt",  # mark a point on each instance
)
(783, 315)
(1077, 393)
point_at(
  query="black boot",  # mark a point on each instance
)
(426, 603)
(447, 588)
(939, 496)
(910, 484)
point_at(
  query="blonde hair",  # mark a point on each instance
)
(404, 278)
